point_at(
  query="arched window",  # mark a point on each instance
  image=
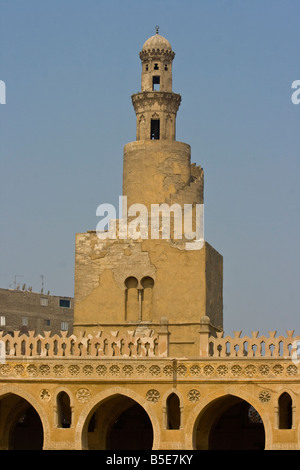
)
(156, 83)
(173, 412)
(131, 299)
(285, 415)
(155, 129)
(138, 299)
(147, 284)
(64, 412)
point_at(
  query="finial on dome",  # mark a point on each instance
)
(156, 29)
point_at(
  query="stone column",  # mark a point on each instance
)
(204, 336)
(163, 341)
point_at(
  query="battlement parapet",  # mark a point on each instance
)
(254, 346)
(133, 345)
(96, 345)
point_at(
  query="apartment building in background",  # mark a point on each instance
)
(22, 310)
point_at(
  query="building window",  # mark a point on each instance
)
(64, 303)
(147, 294)
(64, 410)
(155, 128)
(2, 321)
(156, 83)
(285, 411)
(156, 67)
(138, 299)
(173, 412)
(131, 299)
(44, 302)
(47, 322)
(64, 326)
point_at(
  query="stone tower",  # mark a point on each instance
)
(148, 281)
(156, 112)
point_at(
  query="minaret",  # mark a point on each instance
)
(156, 105)
(157, 168)
(141, 284)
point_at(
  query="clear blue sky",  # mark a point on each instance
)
(70, 67)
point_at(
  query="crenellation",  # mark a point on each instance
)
(143, 341)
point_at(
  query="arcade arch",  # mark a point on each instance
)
(117, 422)
(21, 427)
(229, 423)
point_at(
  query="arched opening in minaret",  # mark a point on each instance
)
(118, 423)
(229, 423)
(131, 299)
(155, 129)
(20, 425)
(147, 298)
(156, 83)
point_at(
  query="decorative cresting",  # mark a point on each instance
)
(254, 346)
(132, 345)
(97, 345)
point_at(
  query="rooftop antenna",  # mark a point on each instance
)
(42, 277)
(15, 280)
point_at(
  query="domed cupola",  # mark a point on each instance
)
(157, 45)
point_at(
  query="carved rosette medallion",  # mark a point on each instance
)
(83, 395)
(153, 395)
(45, 395)
(193, 395)
(264, 396)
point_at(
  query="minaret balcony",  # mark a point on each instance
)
(156, 101)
